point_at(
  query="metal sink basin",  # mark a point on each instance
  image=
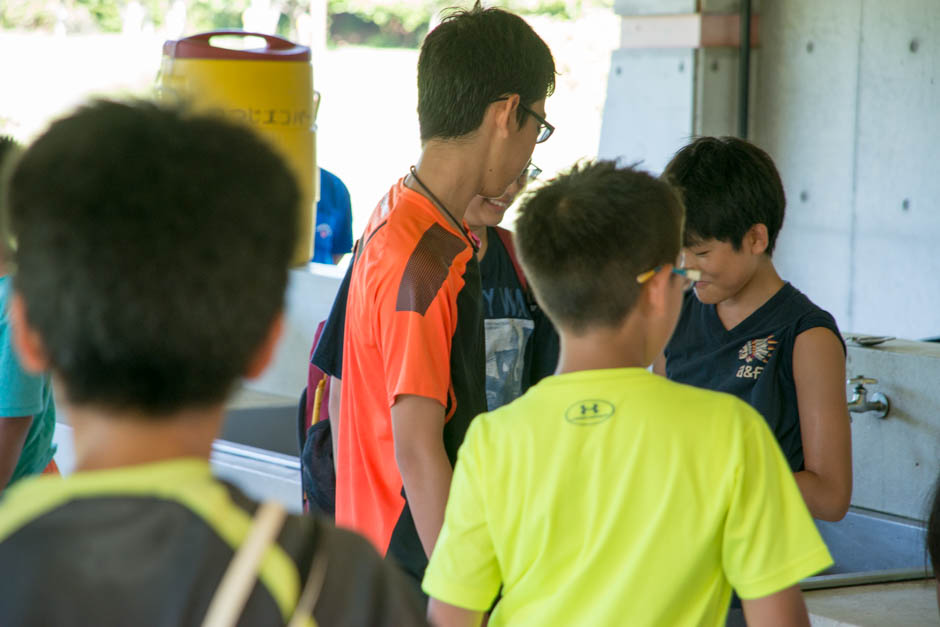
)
(258, 447)
(262, 475)
(870, 547)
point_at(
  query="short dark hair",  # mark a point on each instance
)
(728, 185)
(153, 252)
(585, 236)
(472, 59)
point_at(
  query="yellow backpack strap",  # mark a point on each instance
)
(239, 579)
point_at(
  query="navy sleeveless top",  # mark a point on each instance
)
(753, 361)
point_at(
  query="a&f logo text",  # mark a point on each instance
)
(759, 350)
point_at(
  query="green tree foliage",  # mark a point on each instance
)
(374, 22)
(207, 15)
(29, 14)
(404, 22)
(107, 16)
(412, 14)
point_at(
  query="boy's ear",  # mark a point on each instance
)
(29, 346)
(654, 297)
(264, 354)
(504, 113)
(758, 239)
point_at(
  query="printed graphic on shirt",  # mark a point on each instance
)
(506, 301)
(506, 339)
(759, 350)
(589, 412)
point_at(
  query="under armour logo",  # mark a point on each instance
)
(589, 412)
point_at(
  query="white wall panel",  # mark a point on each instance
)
(804, 116)
(648, 113)
(895, 285)
(896, 460)
(653, 7)
(812, 257)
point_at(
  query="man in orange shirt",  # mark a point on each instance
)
(413, 367)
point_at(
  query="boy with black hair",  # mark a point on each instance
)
(607, 495)
(413, 351)
(521, 343)
(747, 332)
(126, 289)
(27, 409)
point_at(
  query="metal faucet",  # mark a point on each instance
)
(861, 402)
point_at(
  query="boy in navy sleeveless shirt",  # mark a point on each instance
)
(747, 332)
(521, 342)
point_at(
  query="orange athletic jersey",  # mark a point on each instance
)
(414, 325)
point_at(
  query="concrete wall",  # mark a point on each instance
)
(659, 98)
(896, 460)
(847, 97)
(806, 119)
(644, 124)
(650, 95)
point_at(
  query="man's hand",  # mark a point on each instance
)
(418, 430)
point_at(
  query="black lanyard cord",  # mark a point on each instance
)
(440, 205)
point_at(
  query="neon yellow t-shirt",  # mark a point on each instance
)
(618, 497)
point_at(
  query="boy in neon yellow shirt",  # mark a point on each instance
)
(607, 495)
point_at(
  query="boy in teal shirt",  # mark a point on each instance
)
(607, 495)
(27, 411)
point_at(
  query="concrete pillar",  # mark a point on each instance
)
(674, 77)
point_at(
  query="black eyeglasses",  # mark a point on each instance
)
(530, 173)
(545, 129)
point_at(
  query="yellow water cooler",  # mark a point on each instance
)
(269, 88)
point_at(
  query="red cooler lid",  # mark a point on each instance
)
(200, 47)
